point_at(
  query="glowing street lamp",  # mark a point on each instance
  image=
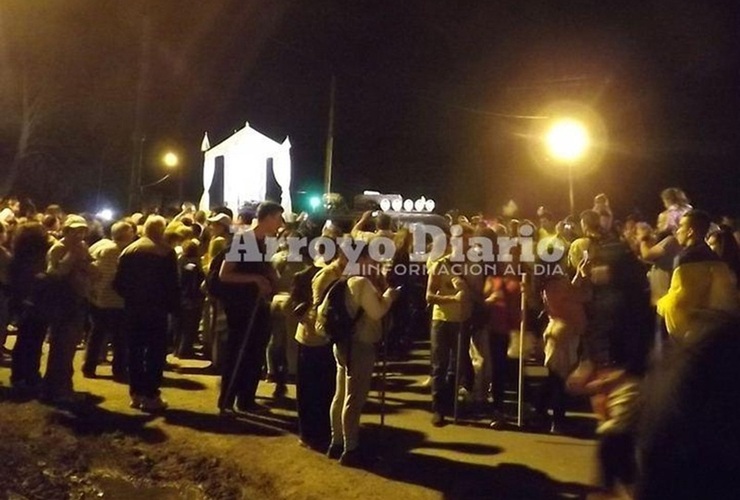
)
(567, 141)
(170, 159)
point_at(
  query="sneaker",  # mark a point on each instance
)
(153, 404)
(226, 413)
(280, 391)
(559, 426)
(438, 420)
(252, 407)
(136, 402)
(465, 394)
(335, 451)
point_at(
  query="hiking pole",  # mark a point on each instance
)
(384, 371)
(522, 330)
(240, 357)
(458, 358)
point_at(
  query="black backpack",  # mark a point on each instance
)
(334, 319)
(214, 286)
(191, 277)
(301, 292)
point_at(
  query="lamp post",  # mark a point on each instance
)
(567, 141)
(171, 161)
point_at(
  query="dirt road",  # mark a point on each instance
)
(104, 449)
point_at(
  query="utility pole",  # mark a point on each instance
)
(330, 138)
(138, 139)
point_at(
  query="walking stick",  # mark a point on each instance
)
(522, 330)
(458, 358)
(384, 365)
(240, 357)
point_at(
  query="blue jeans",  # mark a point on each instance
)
(444, 356)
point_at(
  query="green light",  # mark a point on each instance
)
(315, 202)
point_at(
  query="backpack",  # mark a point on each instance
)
(191, 277)
(214, 286)
(334, 320)
(301, 292)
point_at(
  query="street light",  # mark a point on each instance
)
(568, 140)
(170, 159)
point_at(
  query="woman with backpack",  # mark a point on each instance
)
(316, 370)
(355, 354)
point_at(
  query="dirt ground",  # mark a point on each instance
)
(103, 449)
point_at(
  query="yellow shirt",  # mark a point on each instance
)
(453, 312)
(700, 283)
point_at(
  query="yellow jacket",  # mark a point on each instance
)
(700, 282)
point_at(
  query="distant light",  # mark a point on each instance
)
(385, 204)
(567, 140)
(408, 205)
(106, 215)
(314, 202)
(371, 193)
(397, 204)
(419, 204)
(170, 159)
(429, 205)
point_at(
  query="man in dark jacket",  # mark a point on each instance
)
(249, 282)
(147, 280)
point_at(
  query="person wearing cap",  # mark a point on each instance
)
(220, 228)
(69, 265)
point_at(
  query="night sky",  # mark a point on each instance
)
(433, 98)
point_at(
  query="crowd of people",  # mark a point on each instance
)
(625, 295)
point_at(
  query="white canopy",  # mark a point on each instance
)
(245, 155)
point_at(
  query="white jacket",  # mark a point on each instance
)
(364, 295)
